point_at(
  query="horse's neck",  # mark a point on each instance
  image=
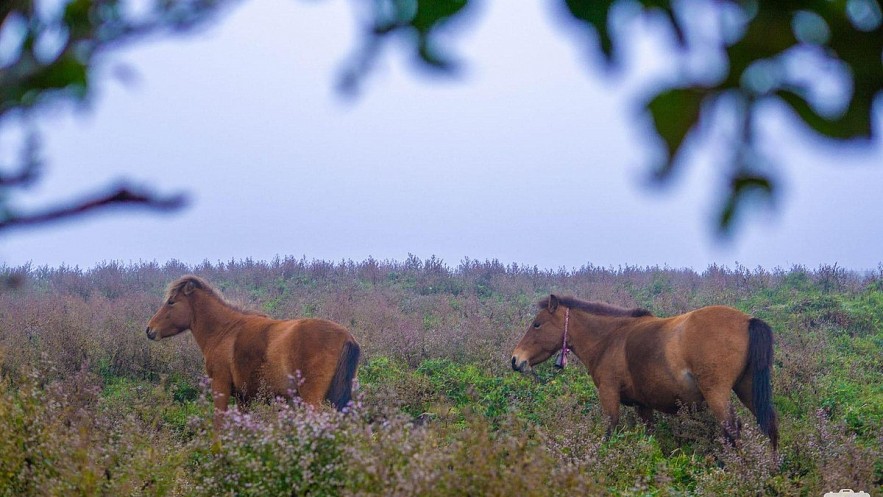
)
(211, 320)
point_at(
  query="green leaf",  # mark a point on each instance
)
(667, 10)
(742, 186)
(595, 14)
(433, 57)
(77, 19)
(431, 13)
(65, 73)
(674, 113)
(767, 35)
(854, 123)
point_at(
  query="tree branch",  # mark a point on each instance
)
(123, 196)
(29, 169)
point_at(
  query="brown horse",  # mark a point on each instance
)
(652, 363)
(247, 352)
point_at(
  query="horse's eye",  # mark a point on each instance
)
(171, 302)
(537, 325)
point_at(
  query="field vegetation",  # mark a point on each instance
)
(90, 406)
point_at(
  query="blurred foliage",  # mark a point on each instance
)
(769, 51)
(762, 52)
(54, 52)
(51, 52)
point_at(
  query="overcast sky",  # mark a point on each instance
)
(533, 155)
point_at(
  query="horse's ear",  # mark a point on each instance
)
(189, 287)
(553, 303)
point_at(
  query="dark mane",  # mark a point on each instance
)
(596, 308)
(177, 285)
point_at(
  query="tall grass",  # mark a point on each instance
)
(91, 407)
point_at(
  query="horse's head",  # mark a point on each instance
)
(176, 313)
(544, 336)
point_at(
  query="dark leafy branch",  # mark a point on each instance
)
(27, 171)
(35, 76)
(91, 27)
(772, 34)
(762, 38)
(418, 21)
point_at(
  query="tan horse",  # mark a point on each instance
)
(247, 352)
(656, 363)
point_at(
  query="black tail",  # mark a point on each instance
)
(760, 363)
(341, 390)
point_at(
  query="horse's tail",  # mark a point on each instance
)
(760, 363)
(340, 392)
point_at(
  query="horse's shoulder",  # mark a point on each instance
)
(250, 343)
(647, 335)
(220, 347)
(645, 328)
(217, 363)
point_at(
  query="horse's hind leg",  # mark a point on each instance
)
(646, 415)
(743, 391)
(313, 389)
(311, 392)
(718, 400)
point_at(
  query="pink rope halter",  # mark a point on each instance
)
(561, 362)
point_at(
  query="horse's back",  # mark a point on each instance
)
(715, 335)
(668, 358)
(306, 350)
(309, 336)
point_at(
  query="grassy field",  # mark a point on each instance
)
(91, 407)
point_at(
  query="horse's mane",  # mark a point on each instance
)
(200, 283)
(596, 308)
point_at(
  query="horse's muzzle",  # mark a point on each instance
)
(151, 334)
(518, 366)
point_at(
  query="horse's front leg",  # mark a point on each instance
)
(609, 397)
(221, 390)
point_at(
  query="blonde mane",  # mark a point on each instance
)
(177, 285)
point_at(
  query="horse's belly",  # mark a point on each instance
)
(666, 394)
(263, 380)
